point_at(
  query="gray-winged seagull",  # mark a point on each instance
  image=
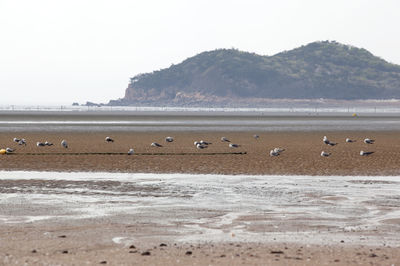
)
(369, 141)
(108, 139)
(325, 154)
(64, 143)
(155, 144)
(169, 139)
(366, 153)
(273, 153)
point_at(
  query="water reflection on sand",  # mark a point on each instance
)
(358, 209)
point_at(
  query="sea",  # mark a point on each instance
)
(142, 119)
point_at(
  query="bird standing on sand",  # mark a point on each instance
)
(205, 142)
(279, 149)
(349, 140)
(20, 141)
(131, 151)
(366, 153)
(169, 139)
(64, 143)
(9, 150)
(108, 139)
(232, 145)
(256, 136)
(369, 141)
(327, 142)
(46, 143)
(325, 154)
(40, 144)
(273, 153)
(201, 146)
(155, 144)
(225, 139)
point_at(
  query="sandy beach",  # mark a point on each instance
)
(122, 241)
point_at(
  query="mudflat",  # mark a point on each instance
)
(137, 239)
(90, 152)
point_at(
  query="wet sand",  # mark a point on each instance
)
(301, 157)
(105, 240)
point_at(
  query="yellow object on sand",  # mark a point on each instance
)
(3, 151)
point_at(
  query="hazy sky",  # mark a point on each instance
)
(60, 52)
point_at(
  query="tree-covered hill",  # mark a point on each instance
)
(318, 70)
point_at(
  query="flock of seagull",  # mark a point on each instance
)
(362, 153)
(199, 145)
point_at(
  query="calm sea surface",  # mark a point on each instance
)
(164, 120)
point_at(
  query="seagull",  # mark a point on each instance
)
(225, 139)
(366, 153)
(204, 142)
(326, 141)
(16, 140)
(350, 140)
(325, 154)
(273, 153)
(40, 144)
(169, 139)
(369, 141)
(131, 151)
(108, 139)
(155, 144)
(196, 142)
(231, 145)
(22, 142)
(279, 150)
(9, 150)
(256, 136)
(64, 143)
(48, 143)
(201, 146)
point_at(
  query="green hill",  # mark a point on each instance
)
(326, 69)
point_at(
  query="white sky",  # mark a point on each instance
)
(59, 52)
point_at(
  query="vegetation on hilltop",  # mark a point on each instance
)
(318, 70)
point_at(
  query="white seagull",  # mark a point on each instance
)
(273, 153)
(366, 153)
(231, 145)
(108, 139)
(155, 144)
(9, 150)
(325, 154)
(64, 143)
(169, 139)
(40, 144)
(46, 143)
(205, 142)
(256, 136)
(22, 142)
(131, 151)
(349, 140)
(16, 140)
(225, 139)
(279, 150)
(201, 146)
(369, 141)
(326, 141)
